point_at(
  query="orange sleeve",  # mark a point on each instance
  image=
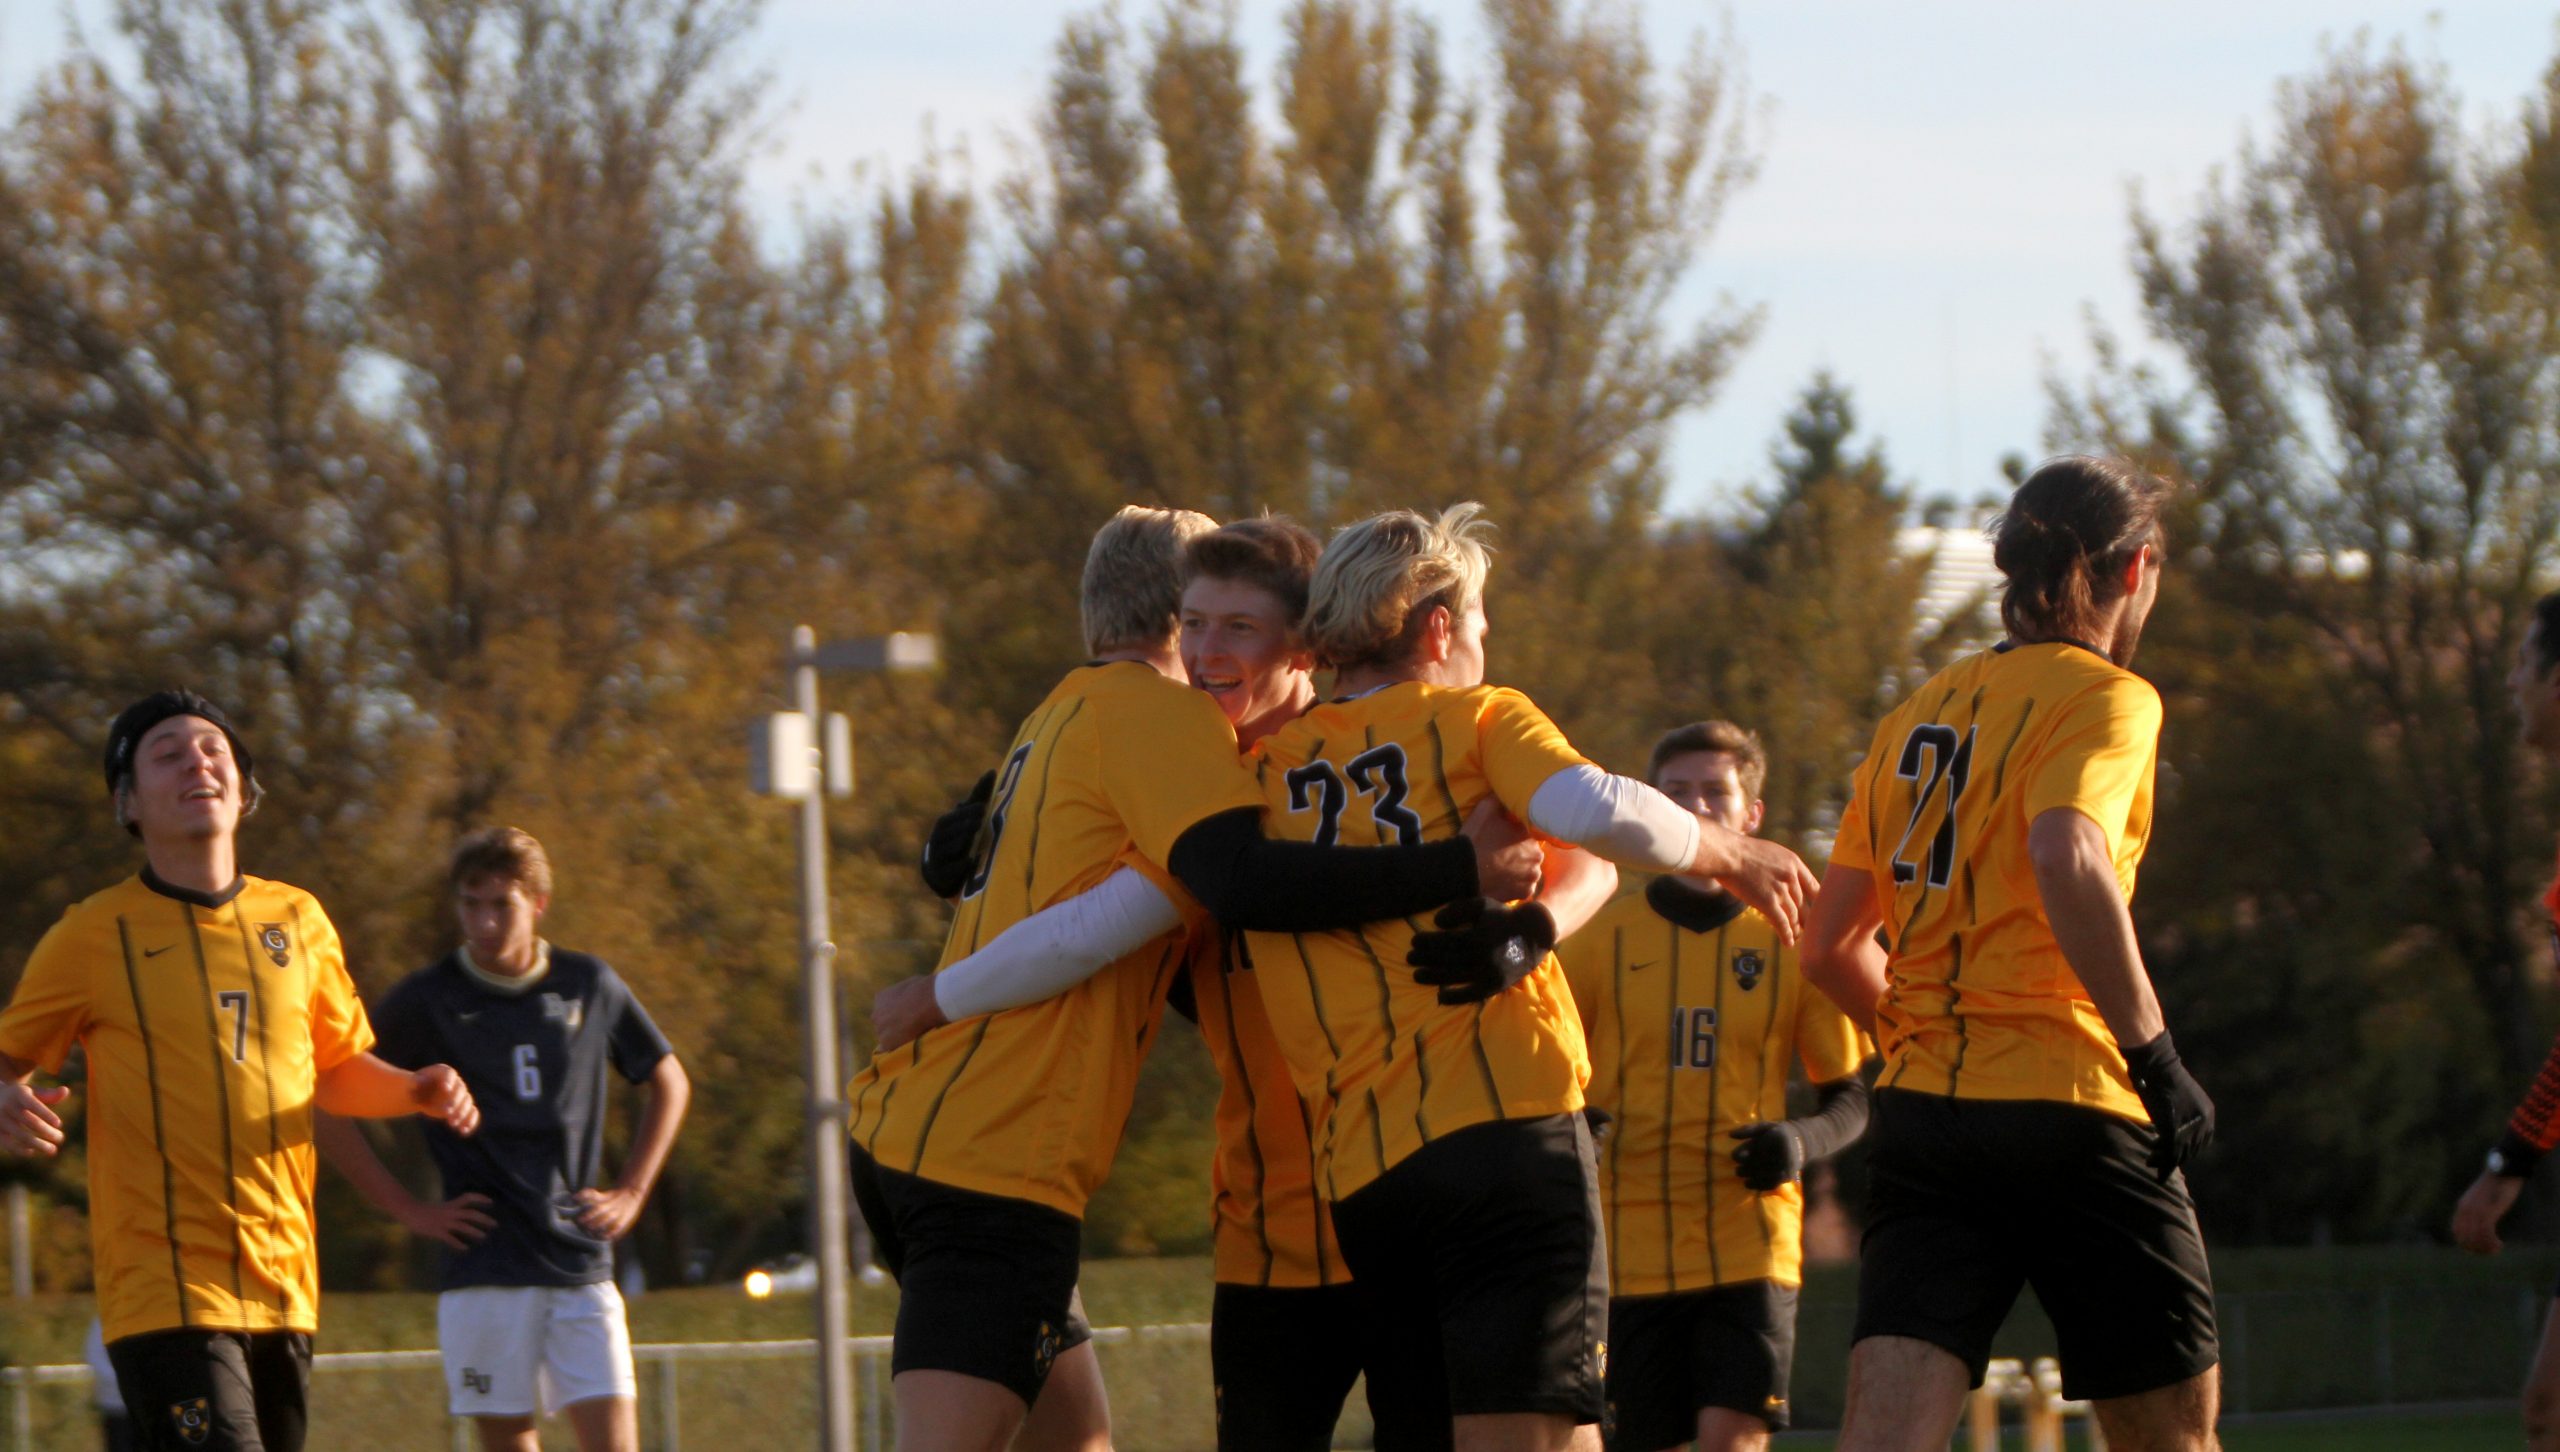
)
(2099, 757)
(339, 1028)
(1849, 845)
(1520, 748)
(50, 1010)
(1169, 765)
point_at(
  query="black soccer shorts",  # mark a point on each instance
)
(215, 1391)
(987, 1283)
(1284, 1359)
(1485, 1243)
(1673, 1356)
(1970, 1199)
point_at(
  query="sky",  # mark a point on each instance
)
(1943, 192)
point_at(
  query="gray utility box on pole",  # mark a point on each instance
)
(804, 756)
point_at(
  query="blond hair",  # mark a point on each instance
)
(1378, 581)
(1131, 597)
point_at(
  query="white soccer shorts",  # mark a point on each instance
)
(504, 1346)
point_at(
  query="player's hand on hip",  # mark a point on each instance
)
(28, 1125)
(2181, 1112)
(1509, 862)
(904, 1012)
(1776, 882)
(2477, 1213)
(1481, 947)
(608, 1214)
(440, 1093)
(1770, 1155)
(459, 1222)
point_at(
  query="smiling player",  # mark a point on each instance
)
(214, 1011)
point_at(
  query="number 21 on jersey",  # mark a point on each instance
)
(1932, 754)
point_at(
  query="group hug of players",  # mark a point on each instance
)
(1386, 903)
(1517, 1152)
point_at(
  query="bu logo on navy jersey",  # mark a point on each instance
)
(570, 1011)
(271, 937)
(1747, 964)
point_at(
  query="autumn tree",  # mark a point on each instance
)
(413, 379)
(1798, 612)
(2361, 321)
(1337, 314)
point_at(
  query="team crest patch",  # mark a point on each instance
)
(194, 1420)
(1044, 1350)
(279, 947)
(1747, 965)
(1600, 1360)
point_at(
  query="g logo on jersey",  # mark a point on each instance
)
(1747, 966)
(194, 1420)
(271, 937)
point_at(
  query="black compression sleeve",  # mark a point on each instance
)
(1249, 881)
(1841, 1119)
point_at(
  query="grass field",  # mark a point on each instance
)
(2358, 1432)
(2335, 1328)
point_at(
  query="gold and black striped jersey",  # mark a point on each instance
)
(1692, 1030)
(1395, 1066)
(1271, 1227)
(206, 1021)
(1112, 768)
(1979, 1001)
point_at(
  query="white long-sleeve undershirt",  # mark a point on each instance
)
(1618, 817)
(1057, 947)
(1064, 944)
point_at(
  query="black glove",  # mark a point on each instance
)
(948, 860)
(2181, 1114)
(1482, 948)
(1771, 1154)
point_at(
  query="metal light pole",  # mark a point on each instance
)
(823, 748)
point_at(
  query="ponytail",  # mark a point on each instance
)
(2065, 540)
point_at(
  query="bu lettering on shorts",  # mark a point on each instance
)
(476, 1380)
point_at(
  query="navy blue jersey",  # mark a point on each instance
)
(535, 1061)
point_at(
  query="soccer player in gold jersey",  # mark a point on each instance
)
(2032, 1112)
(2534, 1129)
(978, 1143)
(214, 1012)
(1440, 1091)
(1693, 1008)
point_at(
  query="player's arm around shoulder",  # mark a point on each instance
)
(1552, 787)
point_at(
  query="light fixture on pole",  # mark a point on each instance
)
(803, 756)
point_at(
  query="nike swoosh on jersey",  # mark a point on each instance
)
(156, 952)
(1640, 967)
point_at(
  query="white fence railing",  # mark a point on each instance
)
(871, 1354)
